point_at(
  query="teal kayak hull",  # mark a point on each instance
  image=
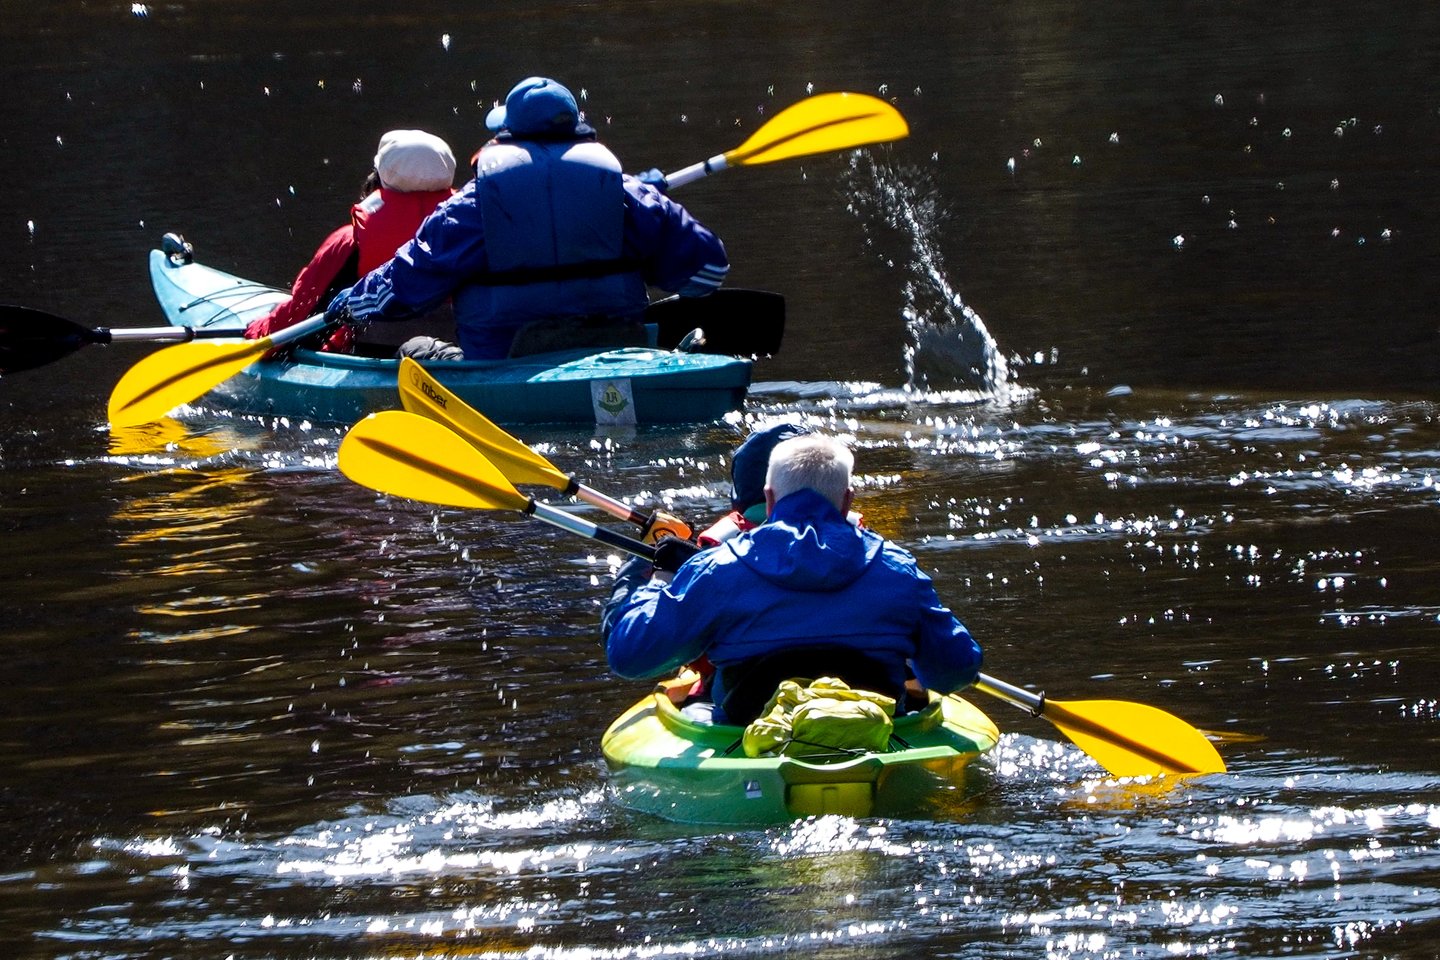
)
(633, 385)
(665, 764)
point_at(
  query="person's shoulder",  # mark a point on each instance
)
(891, 553)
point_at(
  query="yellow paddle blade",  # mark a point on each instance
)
(421, 393)
(819, 124)
(1133, 739)
(406, 455)
(177, 375)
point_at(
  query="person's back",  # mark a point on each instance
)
(549, 229)
(553, 215)
(412, 174)
(806, 581)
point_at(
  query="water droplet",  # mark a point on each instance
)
(1286, 133)
(1219, 100)
(139, 10)
(1115, 137)
(1075, 161)
(1010, 166)
(445, 41)
(1335, 184)
(1178, 241)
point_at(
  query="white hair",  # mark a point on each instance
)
(815, 462)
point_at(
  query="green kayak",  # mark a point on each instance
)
(666, 764)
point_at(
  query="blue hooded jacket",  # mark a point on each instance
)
(807, 577)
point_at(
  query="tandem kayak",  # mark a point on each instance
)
(666, 764)
(626, 386)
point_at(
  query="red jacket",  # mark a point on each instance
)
(379, 225)
(387, 220)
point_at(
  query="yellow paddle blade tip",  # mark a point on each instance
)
(407, 455)
(1135, 739)
(177, 375)
(824, 123)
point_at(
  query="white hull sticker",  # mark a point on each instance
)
(613, 402)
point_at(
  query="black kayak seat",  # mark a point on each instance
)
(749, 685)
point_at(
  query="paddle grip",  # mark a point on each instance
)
(156, 334)
(1011, 694)
(697, 171)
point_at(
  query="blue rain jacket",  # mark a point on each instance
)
(545, 230)
(805, 577)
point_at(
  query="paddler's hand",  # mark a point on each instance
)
(664, 524)
(338, 313)
(653, 177)
(672, 552)
(257, 329)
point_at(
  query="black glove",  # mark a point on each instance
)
(656, 179)
(671, 552)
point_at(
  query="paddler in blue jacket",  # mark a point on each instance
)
(549, 229)
(807, 593)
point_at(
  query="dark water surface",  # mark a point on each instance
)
(252, 710)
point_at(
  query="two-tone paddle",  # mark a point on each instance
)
(422, 393)
(826, 122)
(737, 322)
(409, 456)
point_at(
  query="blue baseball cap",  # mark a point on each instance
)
(537, 105)
(752, 462)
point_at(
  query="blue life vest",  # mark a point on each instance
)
(553, 216)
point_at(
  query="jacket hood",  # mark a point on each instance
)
(807, 545)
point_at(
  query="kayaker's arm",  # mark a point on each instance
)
(947, 658)
(680, 254)
(425, 272)
(647, 636)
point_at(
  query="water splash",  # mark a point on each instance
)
(947, 343)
